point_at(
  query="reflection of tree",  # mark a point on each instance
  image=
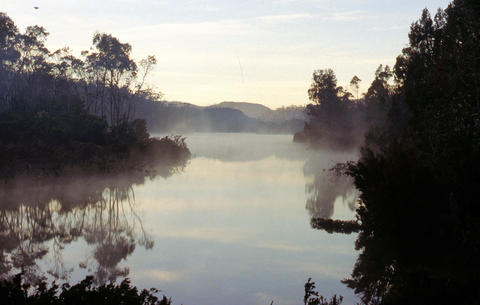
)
(39, 217)
(326, 187)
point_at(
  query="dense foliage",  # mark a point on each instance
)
(337, 120)
(16, 292)
(419, 170)
(312, 297)
(332, 115)
(57, 110)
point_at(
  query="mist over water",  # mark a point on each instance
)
(240, 147)
(248, 207)
(233, 226)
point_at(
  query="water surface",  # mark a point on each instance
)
(233, 227)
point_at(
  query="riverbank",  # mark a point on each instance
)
(45, 143)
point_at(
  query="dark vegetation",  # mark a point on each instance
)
(76, 117)
(419, 170)
(418, 174)
(312, 297)
(60, 111)
(333, 116)
(16, 292)
(335, 226)
(338, 121)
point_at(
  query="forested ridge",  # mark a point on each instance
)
(57, 110)
(419, 170)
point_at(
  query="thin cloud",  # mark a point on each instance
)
(346, 16)
(341, 16)
(163, 276)
(202, 6)
(205, 28)
(284, 247)
(284, 18)
(390, 28)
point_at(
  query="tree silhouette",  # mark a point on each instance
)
(59, 111)
(418, 219)
(331, 122)
(355, 84)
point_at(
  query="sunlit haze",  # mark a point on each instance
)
(252, 51)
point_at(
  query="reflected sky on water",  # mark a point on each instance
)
(232, 228)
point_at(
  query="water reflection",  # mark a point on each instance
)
(225, 230)
(40, 216)
(324, 186)
(327, 185)
(235, 230)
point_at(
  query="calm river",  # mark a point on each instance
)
(232, 227)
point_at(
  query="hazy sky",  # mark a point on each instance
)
(210, 51)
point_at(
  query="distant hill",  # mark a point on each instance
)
(262, 112)
(285, 114)
(252, 110)
(182, 117)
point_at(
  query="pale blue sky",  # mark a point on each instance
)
(210, 51)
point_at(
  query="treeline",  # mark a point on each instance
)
(419, 170)
(58, 110)
(337, 120)
(16, 292)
